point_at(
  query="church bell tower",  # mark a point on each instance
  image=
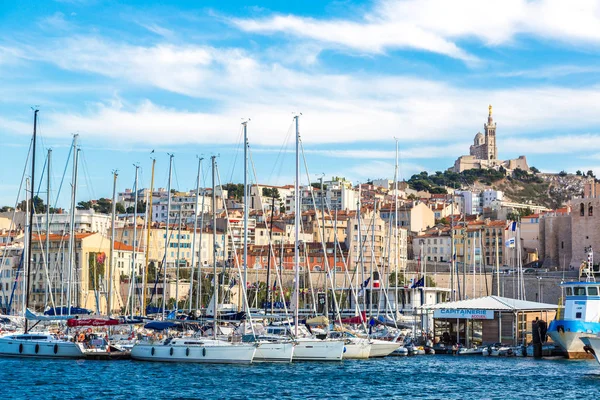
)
(490, 137)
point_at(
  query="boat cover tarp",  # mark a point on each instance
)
(359, 319)
(65, 311)
(30, 315)
(318, 320)
(162, 325)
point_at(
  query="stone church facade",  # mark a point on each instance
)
(484, 152)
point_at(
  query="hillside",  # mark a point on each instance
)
(549, 190)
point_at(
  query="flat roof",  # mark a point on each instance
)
(496, 303)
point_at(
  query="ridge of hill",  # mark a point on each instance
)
(544, 189)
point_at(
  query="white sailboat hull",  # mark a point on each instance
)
(318, 350)
(274, 352)
(357, 350)
(213, 354)
(11, 347)
(382, 348)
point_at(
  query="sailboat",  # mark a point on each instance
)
(28, 344)
(308, 348)
(196, 349)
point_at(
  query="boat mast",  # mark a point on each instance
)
(214, 229)
(148, 230)
(245, 261)
(199, 273)
(30, 233)
(452, 261)
(194, 234)
(133, 266)
(47, 257)
(297, 229)
(72, 224)
(111, 266)
(178, 258)
(164, 302)
(270, 255)
(396, 258)
(26, 252)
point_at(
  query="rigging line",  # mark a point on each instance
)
(282, 152)
(237, 151)
(175, 173)
(63, 178)
(12, 221)
(278, 272)
(328, 276)
(86, 175)
(237, 261)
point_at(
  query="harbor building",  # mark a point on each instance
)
(485, 320)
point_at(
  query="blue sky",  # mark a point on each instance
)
(179, 77)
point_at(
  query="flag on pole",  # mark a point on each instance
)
(419, 283)
(510, 243)
(363, 286)
(512, 226)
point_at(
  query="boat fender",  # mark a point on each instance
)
(20, 348)
(344, 349)
(152, 351)
(187, 351)
(37, 348)
(171, 351)
(204, 352)
(55, 349)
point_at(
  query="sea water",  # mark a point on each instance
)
(435, 377)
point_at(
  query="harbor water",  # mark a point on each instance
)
(435, 377)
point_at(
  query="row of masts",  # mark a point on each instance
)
(131, 302)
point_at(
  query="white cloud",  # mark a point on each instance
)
(576, 144)
(437, 25)
(338, 108)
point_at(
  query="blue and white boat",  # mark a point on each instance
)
(579, 319)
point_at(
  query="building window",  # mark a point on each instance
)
(590, 210)
(582, 209)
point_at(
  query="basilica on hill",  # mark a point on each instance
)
(484, 152)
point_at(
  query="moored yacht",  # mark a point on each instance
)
(194, 350)
(39, 345)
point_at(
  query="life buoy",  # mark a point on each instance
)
(55, 349)
(37, 348)
(152, 351)
(81, 337)
(171, 351)
(187, 351)
(20, 348)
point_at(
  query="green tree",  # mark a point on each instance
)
(270, 192)
(120, 208)
(534, 170)
(578, 173)
(590, 173)
(141, 208)
(40, 207)
(103, 205)
(84, 205)
(6, 209)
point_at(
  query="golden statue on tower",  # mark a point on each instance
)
(490, 109)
